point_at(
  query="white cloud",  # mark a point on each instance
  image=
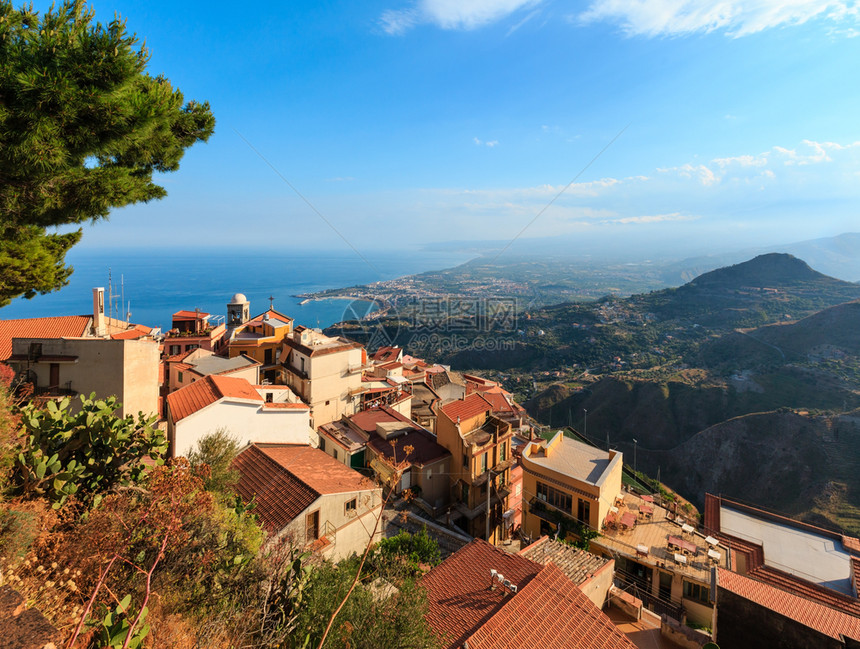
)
(452, 14)
(702, 173)
(735, 17)
(754, 168)
(490, 144)
(653, 218)
(818, 152)
(742, 161)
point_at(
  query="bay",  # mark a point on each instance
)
(157, 283)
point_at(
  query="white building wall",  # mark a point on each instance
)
(351, 532)
(246, 422)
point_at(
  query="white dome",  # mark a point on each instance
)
(239, 298)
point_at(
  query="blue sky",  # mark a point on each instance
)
(411, 121)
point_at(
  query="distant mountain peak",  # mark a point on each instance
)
(773, 269)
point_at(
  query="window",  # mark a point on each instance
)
(322, 443)
(334, 453)
(327, 402)
(269, 397)
(465, 461)
(503, 452)
(696, 592)
(583, 511)
(175, 349)
(465, 492)
(484, 462)
(554, 497)
(349, 507)
(179, 377)
(188, 348)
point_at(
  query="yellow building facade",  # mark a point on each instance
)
(565, 476)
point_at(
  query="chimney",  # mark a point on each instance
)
(99, 311)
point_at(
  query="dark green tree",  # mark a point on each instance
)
(83, 128)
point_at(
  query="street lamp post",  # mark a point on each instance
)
(585, 424)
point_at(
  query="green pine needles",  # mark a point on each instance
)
(82, 129)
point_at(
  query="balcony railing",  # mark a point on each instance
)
(64, 390)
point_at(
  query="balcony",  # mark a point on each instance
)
(54, 391)
(289, 369)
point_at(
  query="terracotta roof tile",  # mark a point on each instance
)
(809, 590)
(422, 444)
(458, 589)
(386, 354)
(279, 495)
(318, 470)
(190, 315)
(205, 392)
(498, 401)
(823, 619)
(131, 334)
(577, 564)
(70, 326)
(552, 613)
(367, 419)
(286, 479)
(471, 406)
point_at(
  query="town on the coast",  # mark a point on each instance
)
(543, 536)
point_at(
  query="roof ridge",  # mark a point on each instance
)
(790, 578)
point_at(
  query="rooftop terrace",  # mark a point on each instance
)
(647, 541)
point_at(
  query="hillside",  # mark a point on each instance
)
(805, 466)
(768, 288)
(836, 328)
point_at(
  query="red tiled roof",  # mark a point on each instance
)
(552, 613)
(258, 320)
(367, 419)
(189, 315)
(823, 619)
(386, 353)
(280, 496)
(130, 334)
(69, 326)
(207, 391)
(286, 479)
(471, 406)
(498, 401)
(852, 544)
(422, 444)
(320, 471)
(807, 589)
(458, 589)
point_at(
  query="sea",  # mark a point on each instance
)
(154, 284)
